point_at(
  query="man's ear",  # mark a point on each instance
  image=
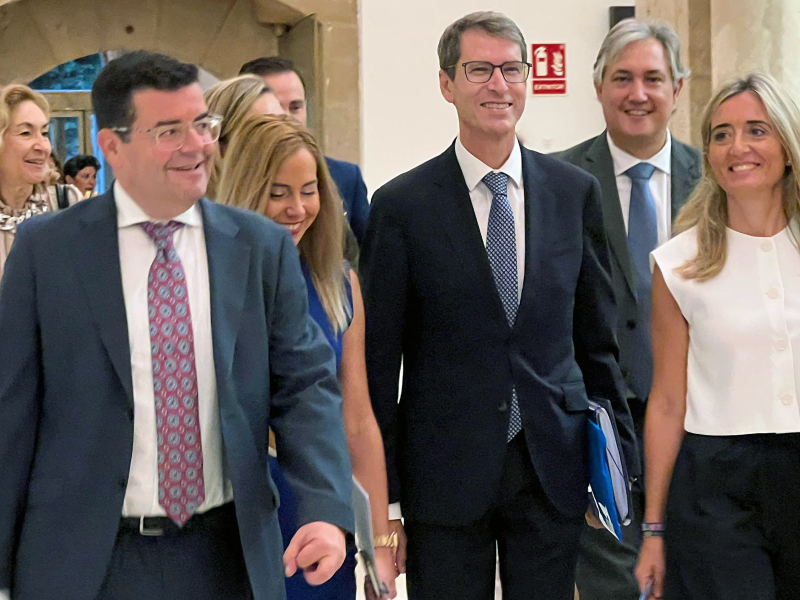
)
(69, 179)
(598, 90)
(446, 86)
(677, 90)
(111, 145)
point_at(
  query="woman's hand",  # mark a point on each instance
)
(651, 566)
(384, 559)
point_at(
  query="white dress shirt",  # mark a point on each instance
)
(744, 334)
(136, 253)
(474, 171)
(660, 183)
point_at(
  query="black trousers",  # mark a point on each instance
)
(733, 519)
(537, 545)
(606, 565)
(202, 561)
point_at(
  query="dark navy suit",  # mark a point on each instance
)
(353, 191)
(66, 400)
(431, 300)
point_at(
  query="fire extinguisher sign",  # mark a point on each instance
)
(549, 69)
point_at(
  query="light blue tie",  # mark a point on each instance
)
(642, 240)
(501, 247)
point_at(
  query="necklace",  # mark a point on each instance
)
(37, 204)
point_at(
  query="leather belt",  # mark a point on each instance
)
(158, 526)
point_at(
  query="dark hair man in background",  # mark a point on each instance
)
(286, 80)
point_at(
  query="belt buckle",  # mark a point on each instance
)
(154, 532)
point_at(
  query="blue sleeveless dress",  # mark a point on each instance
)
(342, 586)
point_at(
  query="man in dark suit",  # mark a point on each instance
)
(283, 77)
(486, 271)
(638, 76)
(150, 339)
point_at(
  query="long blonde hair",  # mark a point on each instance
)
(232, 99)
(707, 208)
(254, 157)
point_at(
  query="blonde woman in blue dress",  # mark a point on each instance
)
(722, 432)
(274, 166)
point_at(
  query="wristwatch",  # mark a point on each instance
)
(385, 541)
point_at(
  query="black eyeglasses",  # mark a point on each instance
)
(481, 71)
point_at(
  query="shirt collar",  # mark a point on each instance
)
(129, 213)
(623, 161)
(474, 169)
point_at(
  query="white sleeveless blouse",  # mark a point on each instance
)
(744, 334)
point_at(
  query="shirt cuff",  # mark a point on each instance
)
(4, 595)
(394, 514)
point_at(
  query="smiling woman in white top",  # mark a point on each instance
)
(722, 432)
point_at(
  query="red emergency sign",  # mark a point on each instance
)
(549, 68)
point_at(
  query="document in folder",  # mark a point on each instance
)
(609, 491)
(366, 552)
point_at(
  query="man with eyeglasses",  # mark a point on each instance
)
(486, 272)
(149, 340)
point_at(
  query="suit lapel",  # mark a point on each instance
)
(533, 187)
(599, 163)
(97, 253)
(228, 266)
(452, 201)
(684, 177)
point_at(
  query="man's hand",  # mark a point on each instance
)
(593, 521)
(400, 557)
(318, 549)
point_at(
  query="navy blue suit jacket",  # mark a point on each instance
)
(353, 191)
(431, 299)
(66, 399)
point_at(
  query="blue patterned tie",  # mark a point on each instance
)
(642, 240)
(501, 247)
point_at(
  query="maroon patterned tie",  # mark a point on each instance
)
(180, 453)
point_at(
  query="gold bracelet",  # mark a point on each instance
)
(385, 541)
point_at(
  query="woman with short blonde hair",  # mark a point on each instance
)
(24, 168)
(274, 166)
(235, 100)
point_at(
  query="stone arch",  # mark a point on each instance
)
(218, 35)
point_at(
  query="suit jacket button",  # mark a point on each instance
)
(123, 482)
(503, 406)
(631, 324)
(130, 414)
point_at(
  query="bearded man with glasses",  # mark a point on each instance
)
(486, 271)
(157, 337)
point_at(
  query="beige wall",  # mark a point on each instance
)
(405, 120)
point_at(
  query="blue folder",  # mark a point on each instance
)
(610, 496)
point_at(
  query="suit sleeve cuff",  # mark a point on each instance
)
(394, 513)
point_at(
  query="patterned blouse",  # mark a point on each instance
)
(40, 202)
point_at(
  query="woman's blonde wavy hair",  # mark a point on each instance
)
(707, 208)
(232, 99)
(11, 96)
(253, 158)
